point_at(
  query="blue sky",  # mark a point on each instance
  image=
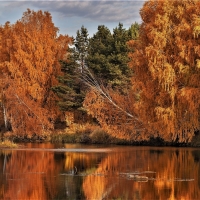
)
(70, 15)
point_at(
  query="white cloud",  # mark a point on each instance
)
(95, 10)
(71, 15)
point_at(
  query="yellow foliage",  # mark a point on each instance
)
(8, 144)
(198, 63)
(166, 61)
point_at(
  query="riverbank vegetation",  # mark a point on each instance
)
(8, 144)
(134, 85)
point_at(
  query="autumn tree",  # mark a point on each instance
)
(111, 97)
(167, 69)
(30, 51)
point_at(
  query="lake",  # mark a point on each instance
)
(94, 172)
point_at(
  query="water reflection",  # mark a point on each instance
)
(123, 173)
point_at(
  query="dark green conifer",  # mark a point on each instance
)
(108, 56)
(71, 91)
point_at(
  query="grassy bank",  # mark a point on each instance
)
(98, 136)
(88, 134)
(76, 133)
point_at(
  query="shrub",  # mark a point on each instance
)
(99, 136)
(8, 144)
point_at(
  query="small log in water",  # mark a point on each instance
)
(138, 178)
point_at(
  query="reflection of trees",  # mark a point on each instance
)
(77, 166)
(107, 183)
(2, 175)
(80, 162)
(30, 175)
(44, 174)
(168, 165)
(49, 175)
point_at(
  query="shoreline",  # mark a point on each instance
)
(96, 137)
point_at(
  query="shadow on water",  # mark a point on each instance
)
(196, 154)
(46, 171)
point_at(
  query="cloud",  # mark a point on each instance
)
(109, 11)
(70, 15)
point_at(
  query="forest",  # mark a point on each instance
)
(134, 84)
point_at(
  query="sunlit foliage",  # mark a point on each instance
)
(29, 63)
(116, 114)
(166, 68)
(111, 99)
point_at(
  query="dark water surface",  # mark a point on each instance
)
(71, 171)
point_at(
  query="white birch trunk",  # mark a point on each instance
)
(90, 80)
(5, 116)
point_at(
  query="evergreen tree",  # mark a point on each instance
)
(108, 56)
(120, 73)
(71, 90)
(100, 47)
(81, 47)
(133, 31)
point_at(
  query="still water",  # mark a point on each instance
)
(69, 171)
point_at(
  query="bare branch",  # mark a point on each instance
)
(22, 102)
(92, 82)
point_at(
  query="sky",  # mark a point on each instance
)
(70, 15)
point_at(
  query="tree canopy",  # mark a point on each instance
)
(30, 51)
(166, 68)
(107, 55)
(71, 90)
(111, 97)
(144, 81)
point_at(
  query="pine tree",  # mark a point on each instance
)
(100, 47)
(133, 31)
(108, 56)
(81, 47)
(111, 103)
(71, 90)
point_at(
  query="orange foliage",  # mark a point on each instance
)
(165, 60)
(165, 95)
(115, 120)
(29, 61)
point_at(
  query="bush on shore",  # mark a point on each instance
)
(8, 144)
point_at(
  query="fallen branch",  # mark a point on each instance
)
(90, 80)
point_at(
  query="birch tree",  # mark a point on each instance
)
(166, 65)
(30, 53)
